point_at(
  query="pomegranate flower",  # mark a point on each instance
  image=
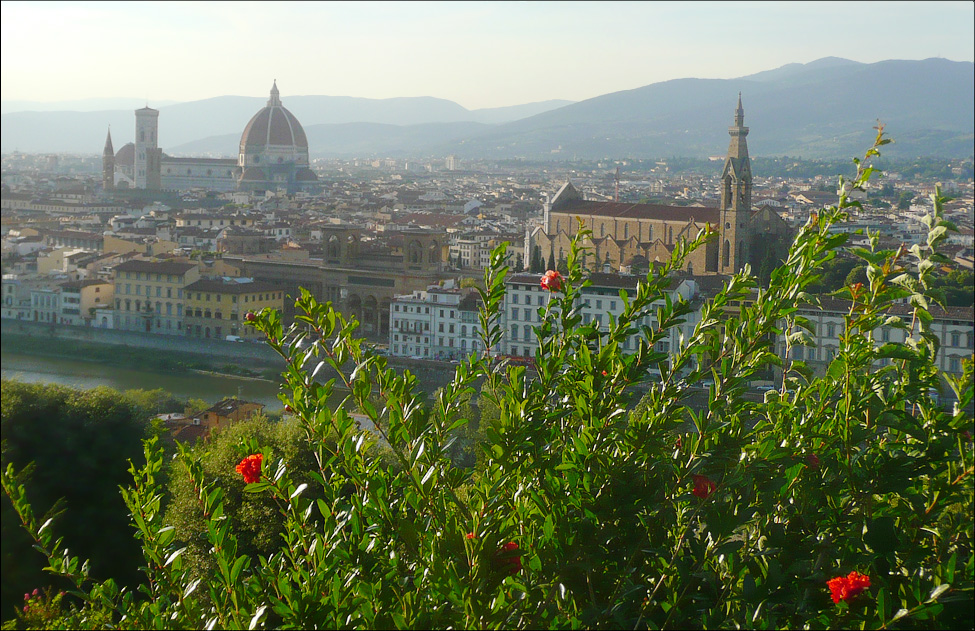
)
(552, 281)
(250, 468)
(846, 588)
(703, 487)
(510, 562)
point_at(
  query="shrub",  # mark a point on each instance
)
(588, 510)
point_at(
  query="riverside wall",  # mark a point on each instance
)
(431, 374)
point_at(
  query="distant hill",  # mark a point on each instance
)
(195, 121)
(822, 109)
(78, 105)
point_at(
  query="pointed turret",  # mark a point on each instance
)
(108, 164)
(275, 95)
(109, 151)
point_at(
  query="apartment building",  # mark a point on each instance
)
(149, 295)
(439, 323)
(215, 308)
(954, 327)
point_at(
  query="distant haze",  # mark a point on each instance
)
(825, 108)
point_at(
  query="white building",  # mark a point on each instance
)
(524, 296)
(439, 323)
(954, 327)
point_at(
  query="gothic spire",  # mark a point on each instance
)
(109, 151)
(738, 147)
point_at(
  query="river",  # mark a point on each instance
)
(81, 374)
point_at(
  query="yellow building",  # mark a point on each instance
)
(149, 295)
(216, 308)
(80, 299)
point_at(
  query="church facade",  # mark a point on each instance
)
(273, 155)
(634, 236)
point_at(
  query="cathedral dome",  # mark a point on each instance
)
(126, 155)
(273, 126)
(274, 151)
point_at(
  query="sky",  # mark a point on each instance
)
(477, 54)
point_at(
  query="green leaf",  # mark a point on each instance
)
(937, 591)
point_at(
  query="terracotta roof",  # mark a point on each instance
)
(273, 125)
(229, 406)
(253, 173)
(220, 287)
(126, 155)
(154, 267)
(624, 210)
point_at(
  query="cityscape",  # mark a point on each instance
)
(243, 279)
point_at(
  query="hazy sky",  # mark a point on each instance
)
(477, 54)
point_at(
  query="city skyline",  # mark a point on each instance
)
(479, 55)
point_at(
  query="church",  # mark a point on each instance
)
(273, 155)
(629, 236)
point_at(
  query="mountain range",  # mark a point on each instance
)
(823, 109)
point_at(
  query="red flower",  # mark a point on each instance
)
(846, 588)
(813, 461)
(552, 281)
(703, 487)
(250, 468)
(250, 317)
(469, 535)
(605, 373)
(510, 562)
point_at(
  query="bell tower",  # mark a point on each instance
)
(108, 164)
(736, 197)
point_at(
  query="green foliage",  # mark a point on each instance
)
(257, 522)
(601, 499)
(79, 442)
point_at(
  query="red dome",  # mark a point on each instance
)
(273, 125)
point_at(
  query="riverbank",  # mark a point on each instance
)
(177, 355)
(122, 356)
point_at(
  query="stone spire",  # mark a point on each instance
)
(108, 164)
(275, 95)
(736, 197)
(738, 147)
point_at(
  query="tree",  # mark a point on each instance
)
(904, 200)
(857, 275)
(551, 260)
(79, 442)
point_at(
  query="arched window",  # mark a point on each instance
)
(726, 255)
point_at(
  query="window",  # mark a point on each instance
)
(514, 299)
(954, 364)
(955, 339)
